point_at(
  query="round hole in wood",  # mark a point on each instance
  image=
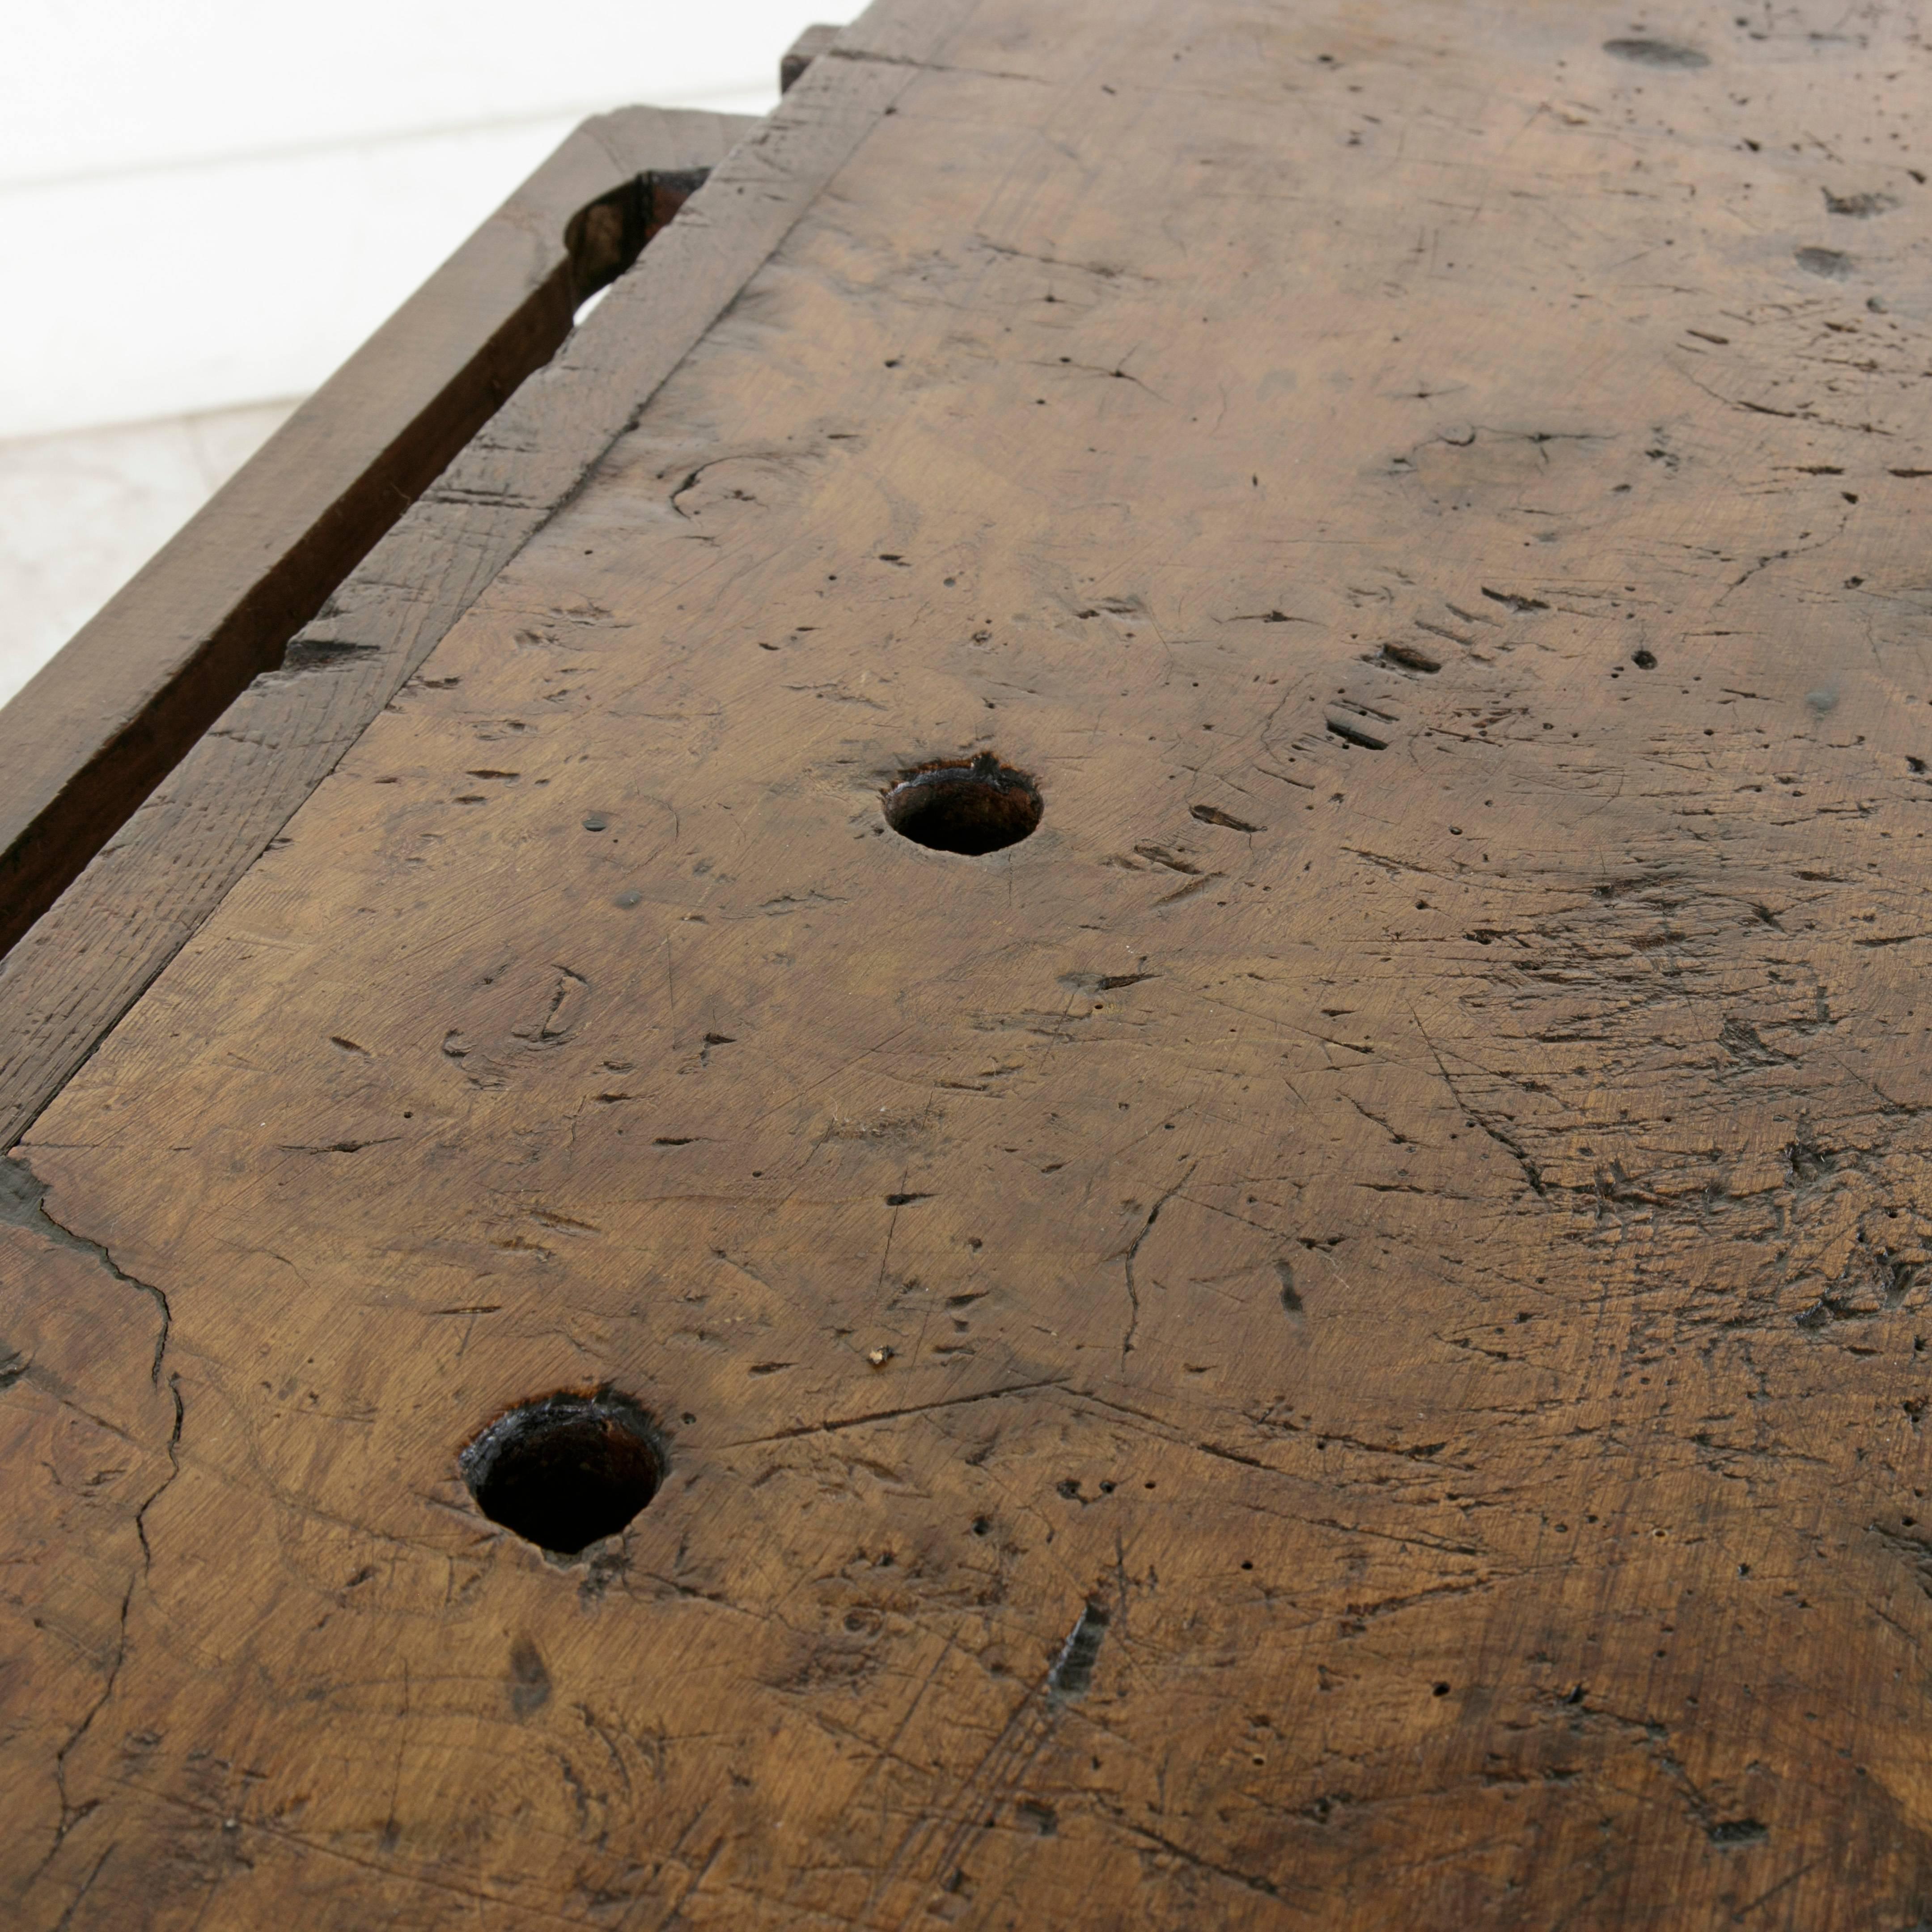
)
(566, 1469)
(963, 804)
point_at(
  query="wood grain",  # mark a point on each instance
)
(67, 982)
(812, 42)
(1338, 1337)
(99, 726)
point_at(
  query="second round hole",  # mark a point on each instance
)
(565, 1470)
(969, 806)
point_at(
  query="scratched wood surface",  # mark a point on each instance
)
(1336, 1338)
(93, 733)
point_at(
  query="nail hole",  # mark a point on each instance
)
(969, 805)
(565, 1470)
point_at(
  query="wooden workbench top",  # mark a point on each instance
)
(1336, 1336)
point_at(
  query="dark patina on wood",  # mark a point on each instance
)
(1335, 1335)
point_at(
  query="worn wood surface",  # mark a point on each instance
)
(87, 958)
(92, 733)
(1338, 1337)
(802, 52)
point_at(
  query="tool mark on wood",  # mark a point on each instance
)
(834, 1425)
(1213, 814)
(1412, 657)
(1861, 206)
(1159, 855)
(1073, 1672)
(1192, 886)
(1291, 1296)
(1352, 734)
(1131, 1254)
(1835, 265)
(1643, 51)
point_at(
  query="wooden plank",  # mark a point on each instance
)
(70, 980)
(1338, 1335)
(813, 41)
(99, 725)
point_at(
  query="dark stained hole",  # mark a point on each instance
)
(565, 1470)
(1657, 53)
(970, 805)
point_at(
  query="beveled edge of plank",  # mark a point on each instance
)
(67, 982)
(815, 39)
(91, 734)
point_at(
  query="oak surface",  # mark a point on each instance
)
(115, 711)
(1338, 1337)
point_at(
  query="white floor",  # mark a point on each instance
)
(221, 200)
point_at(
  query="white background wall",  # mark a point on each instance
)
(206, 205)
